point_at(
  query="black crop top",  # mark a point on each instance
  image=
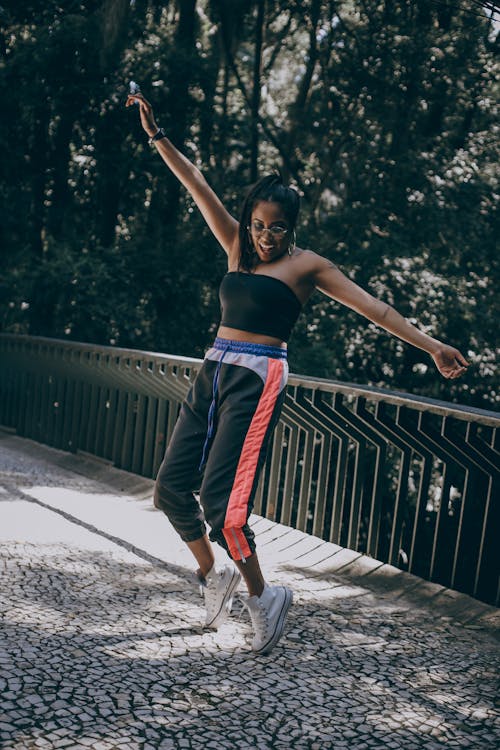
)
(258, 304)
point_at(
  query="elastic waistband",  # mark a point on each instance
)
(247, 347)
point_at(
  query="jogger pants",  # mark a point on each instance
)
(219, 444)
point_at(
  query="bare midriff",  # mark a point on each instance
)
(224, 332)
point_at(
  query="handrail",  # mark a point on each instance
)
(485, 416)
(409, 480)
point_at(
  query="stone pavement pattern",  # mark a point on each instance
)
(101, 645)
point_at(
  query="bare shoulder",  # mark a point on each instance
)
(312, 263)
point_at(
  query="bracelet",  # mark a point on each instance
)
(156, 137)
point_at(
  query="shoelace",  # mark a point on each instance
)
(203, 583)
(242, 605)
(263, 617)
(196, 580)
(262, 614)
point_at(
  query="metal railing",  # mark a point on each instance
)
(407, 480)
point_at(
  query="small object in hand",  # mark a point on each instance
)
(134, 88)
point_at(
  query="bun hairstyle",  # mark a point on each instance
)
(270, 188)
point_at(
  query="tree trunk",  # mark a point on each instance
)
(255, 104)
(297, 109)
(60, 165)
(38, 161)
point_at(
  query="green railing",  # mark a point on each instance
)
(408, 480)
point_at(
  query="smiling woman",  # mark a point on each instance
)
(219, 444)
(267, 222)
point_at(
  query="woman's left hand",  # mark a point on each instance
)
(449, 361)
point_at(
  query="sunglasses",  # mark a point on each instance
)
(277, 230)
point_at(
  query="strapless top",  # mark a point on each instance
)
(258, 304)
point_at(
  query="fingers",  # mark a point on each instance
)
(452, 372)
(138, 95)
(461, 359)
(138, 99)
(456, 373)
(451, 363)
(459, 367)
(133, 99)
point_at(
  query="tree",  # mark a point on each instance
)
(381, 113)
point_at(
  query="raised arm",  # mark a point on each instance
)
(220, 221)
(329, 280)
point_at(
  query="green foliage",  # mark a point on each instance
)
(383, 115)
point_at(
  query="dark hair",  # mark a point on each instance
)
(270, 188)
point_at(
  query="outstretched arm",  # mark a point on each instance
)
(220, 221)
(328, 279)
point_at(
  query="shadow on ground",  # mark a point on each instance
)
(103, 646)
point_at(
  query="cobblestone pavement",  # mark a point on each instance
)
(101, 645)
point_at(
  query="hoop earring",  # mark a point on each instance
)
(291, 246)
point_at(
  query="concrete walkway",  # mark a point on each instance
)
(101, 645)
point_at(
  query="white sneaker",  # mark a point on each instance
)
(218, 589)
(268, 613)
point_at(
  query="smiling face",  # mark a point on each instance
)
(269, 231)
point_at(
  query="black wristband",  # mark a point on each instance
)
(157, 136)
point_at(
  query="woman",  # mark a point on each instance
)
(219, 443)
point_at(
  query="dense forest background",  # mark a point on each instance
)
(381, 113)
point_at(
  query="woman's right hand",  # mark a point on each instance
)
(146, 111)
(222, 224)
